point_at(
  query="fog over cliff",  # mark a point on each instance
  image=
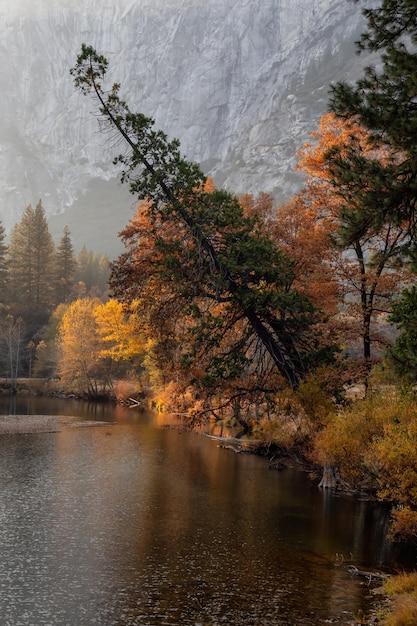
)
(241, 83)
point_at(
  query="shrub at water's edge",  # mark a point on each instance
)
(373, 443)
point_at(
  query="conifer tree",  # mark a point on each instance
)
(368, 270)
(93, 271)
(31, 267)
(384, 102)
(65, 267)
(383, 191)
(404, 350)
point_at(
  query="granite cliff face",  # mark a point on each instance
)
(241, 83)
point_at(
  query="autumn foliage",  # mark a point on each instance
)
(93, 339)
(369, 269)
(374, 445)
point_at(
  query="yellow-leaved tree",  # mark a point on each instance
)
(118, 332)
(79, 348)
(93, 340)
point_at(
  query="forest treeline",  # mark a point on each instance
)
(234, 308)
(38, 277)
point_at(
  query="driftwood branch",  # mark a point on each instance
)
(370, 576)
(237, 445)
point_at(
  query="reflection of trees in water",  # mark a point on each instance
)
(359, 525)
(156, 524)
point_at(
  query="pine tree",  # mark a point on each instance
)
(404, 350)
(384, 102)
(93, 271)
(31, 267)
(65, 267)
(368, 270)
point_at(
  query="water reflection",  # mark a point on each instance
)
(130, 524)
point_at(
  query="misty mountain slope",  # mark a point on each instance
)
(240, 83)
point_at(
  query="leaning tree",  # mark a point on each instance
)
(208, 254)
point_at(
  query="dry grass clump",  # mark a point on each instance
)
(124, 389)
(403, 591)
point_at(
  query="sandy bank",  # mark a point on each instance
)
(42, 423)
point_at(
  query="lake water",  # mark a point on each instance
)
(132, 523)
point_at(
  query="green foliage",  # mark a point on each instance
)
(383, 101)
(377, 182)
(65, 265)
(91, 274)
(31, 267)
(35, 277)
(404, 350)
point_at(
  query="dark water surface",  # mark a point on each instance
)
(136, 524)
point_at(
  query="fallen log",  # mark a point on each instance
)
(352, 569)
(235, 440)
(134, 403)
(237, 445)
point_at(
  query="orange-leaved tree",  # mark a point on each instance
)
(299, 229)
(370, 270)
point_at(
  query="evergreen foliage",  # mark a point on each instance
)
(35, 277)
(404, 350)
(65, 266)
(384, 101)
(368, 270)
(92, 273)
(31, 267)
